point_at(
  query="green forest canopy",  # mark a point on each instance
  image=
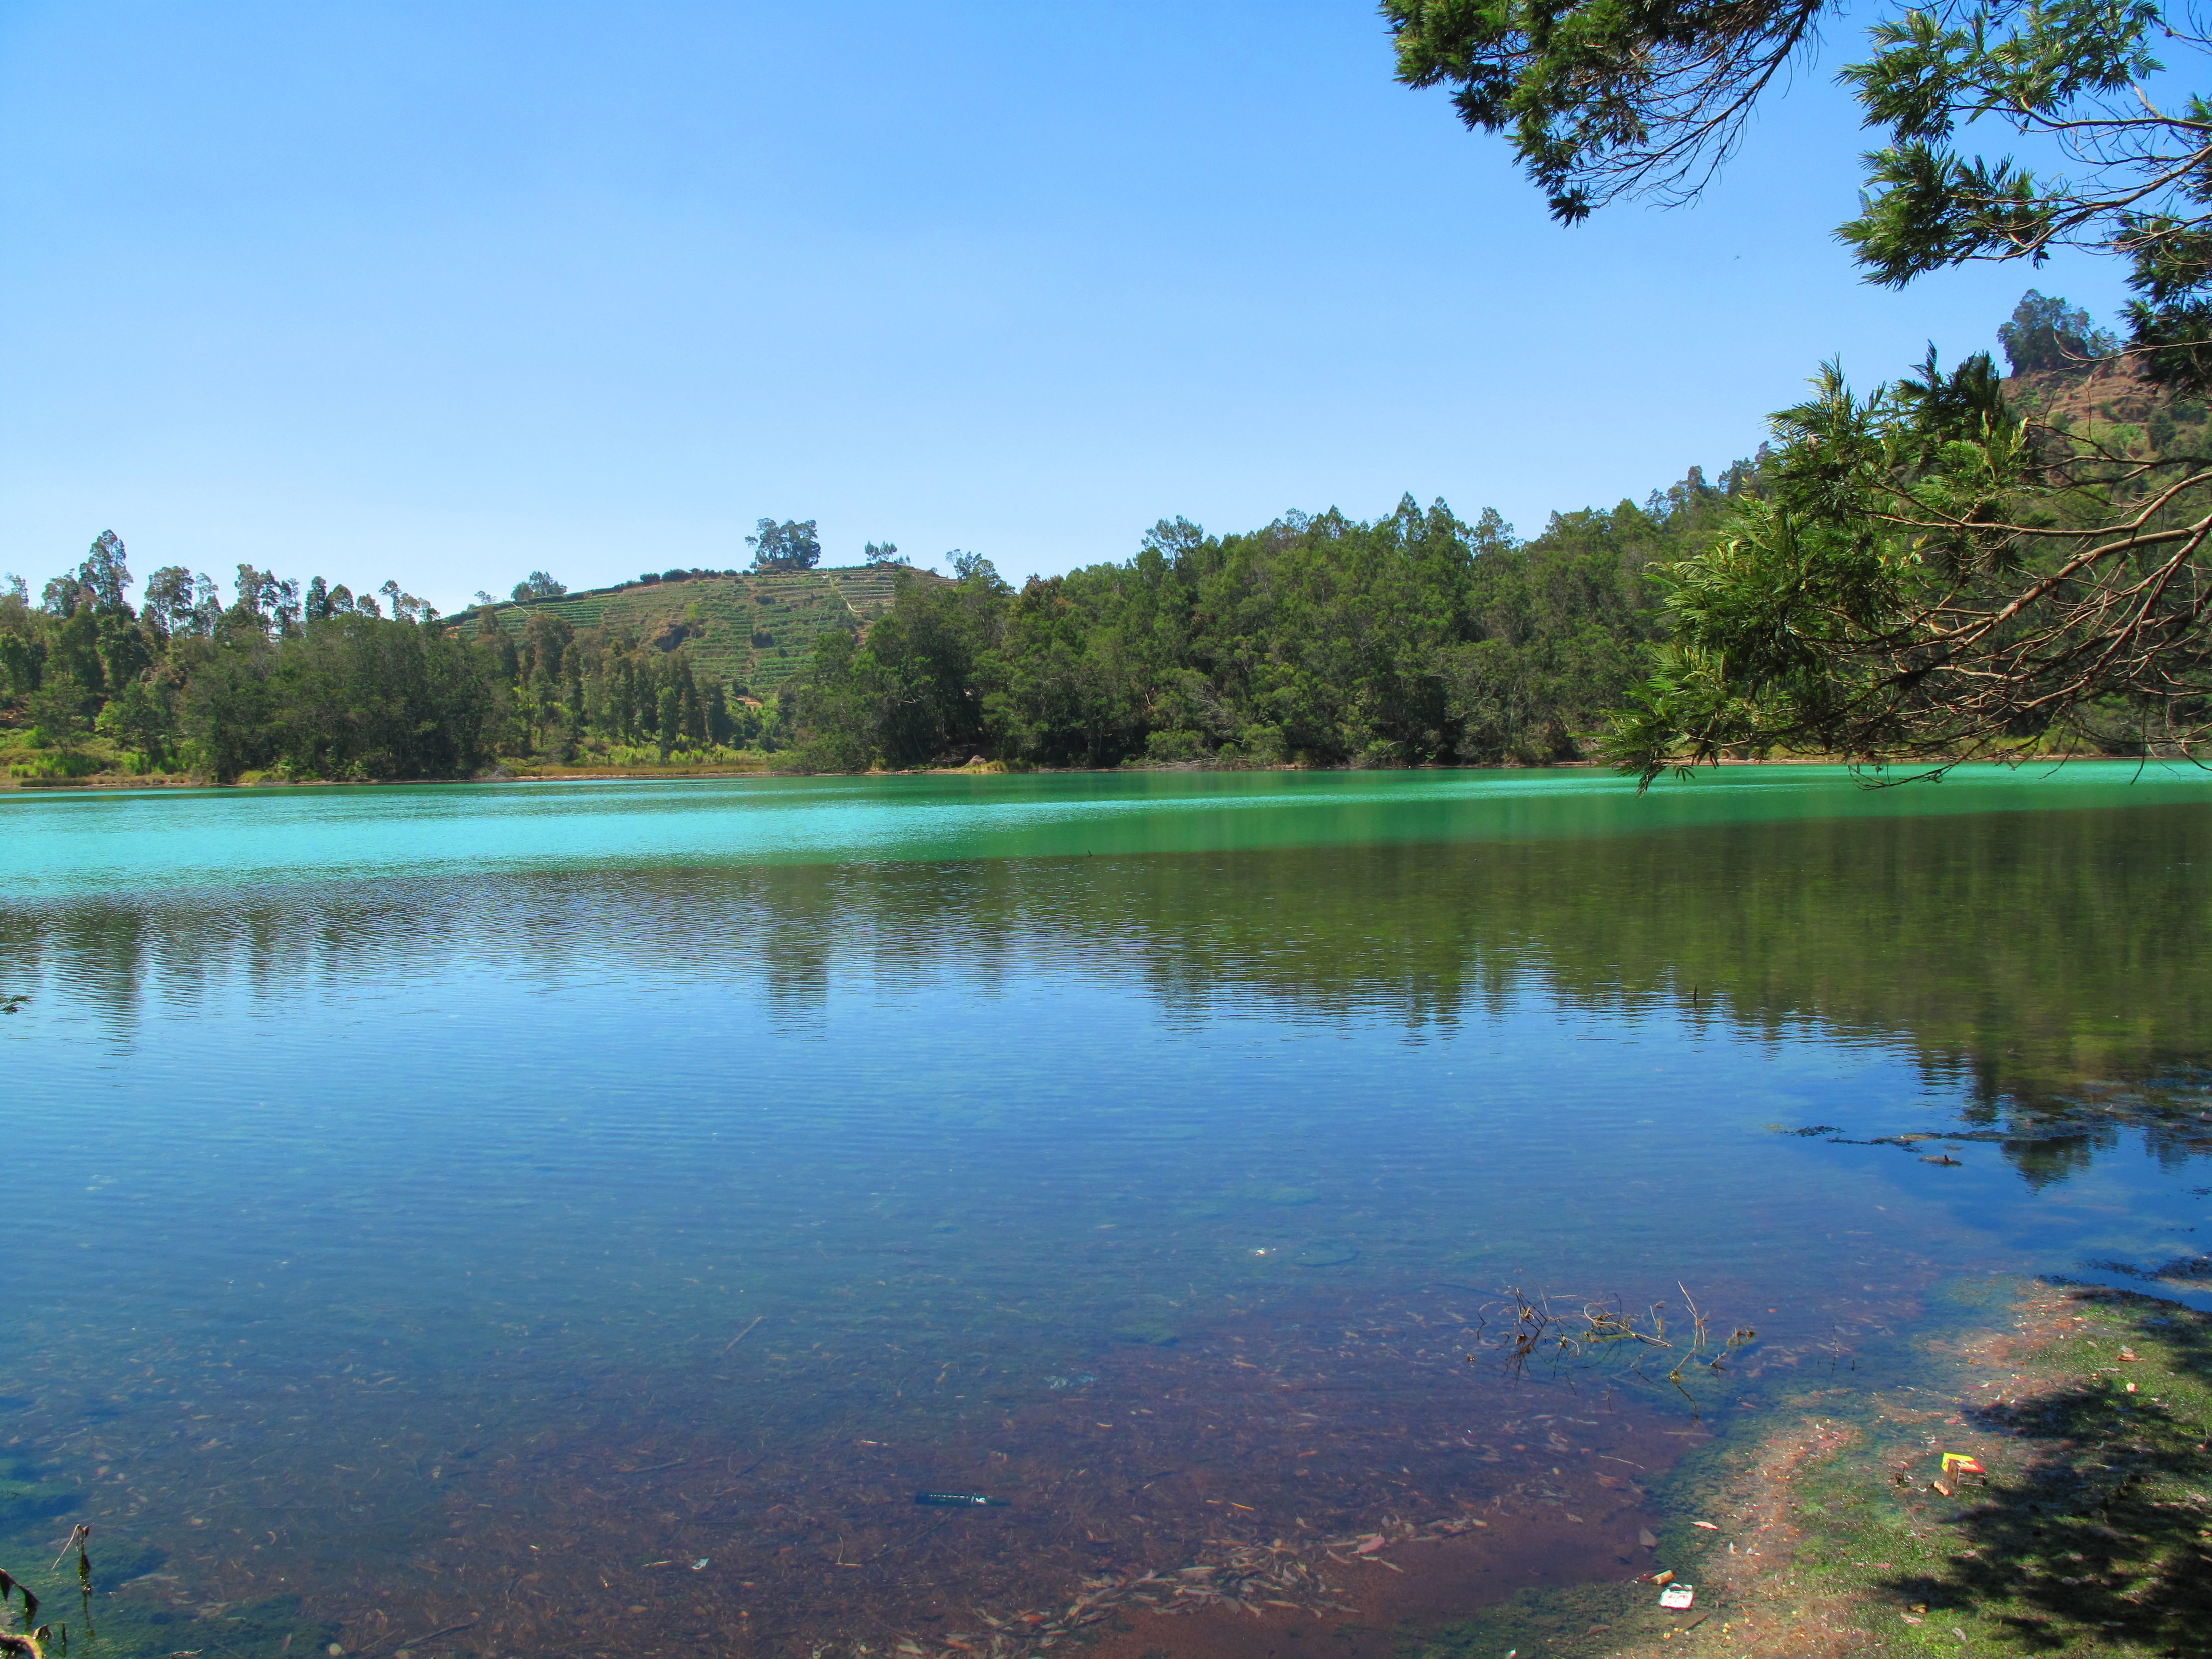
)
(1419, 638)
(324, 685)
(1932, 574)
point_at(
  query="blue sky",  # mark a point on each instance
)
(449, 292)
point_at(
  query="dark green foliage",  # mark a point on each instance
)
(2046, 333)
(105, 573)
(58, 711)
(1417, 639)
(324, 685)
(791, 545)
(1603, 99)
(356, 698)
(538, 586)
(1933, 574)
(177, 602)
(142, 718)
(2170, 321)
(1600, 100)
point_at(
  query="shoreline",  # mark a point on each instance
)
(115, 783)
(1836, 1528)
(2076, 1529)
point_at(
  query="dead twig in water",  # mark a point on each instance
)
(742, 1335)
(1535, 1329)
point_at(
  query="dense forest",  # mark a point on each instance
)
(1322, 641)
(322, 684)
(1319, 640)
(1416, 639)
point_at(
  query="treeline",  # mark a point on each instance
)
(321, 684)
(1419, 638)
(1318, 641)
(572, 691)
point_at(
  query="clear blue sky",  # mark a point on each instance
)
(446, 292)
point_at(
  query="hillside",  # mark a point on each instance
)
(2109, 403)
(752, 628)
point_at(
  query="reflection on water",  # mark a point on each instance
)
(582, 1221)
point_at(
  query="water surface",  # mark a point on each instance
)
(459, 1213)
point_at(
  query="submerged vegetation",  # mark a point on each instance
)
(1533, 1332)
(1319, 1441)
(31, 1643)
(2036, 1487)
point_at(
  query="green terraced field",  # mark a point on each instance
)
(754, 629)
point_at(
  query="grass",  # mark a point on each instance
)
(94, 761)
(97, 763)
(1835, 1529)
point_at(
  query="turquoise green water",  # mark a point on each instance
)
(90, 845)
(453, 1213)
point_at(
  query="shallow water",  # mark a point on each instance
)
(537, 1219)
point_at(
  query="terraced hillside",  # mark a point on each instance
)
(752, 628)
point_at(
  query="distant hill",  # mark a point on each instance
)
(2109, 402)
(754, 628)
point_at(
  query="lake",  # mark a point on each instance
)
(532, 1219)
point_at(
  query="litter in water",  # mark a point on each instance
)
(958, 1500)
(1677, 1597)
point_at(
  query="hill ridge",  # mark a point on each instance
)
(755, 628)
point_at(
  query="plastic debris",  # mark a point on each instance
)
(1666, 1577)
(1677, 1597)
(1961, 1463)
(958, 1500)
(1368, 1545)
(700, 1565)
(1707, 1525)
